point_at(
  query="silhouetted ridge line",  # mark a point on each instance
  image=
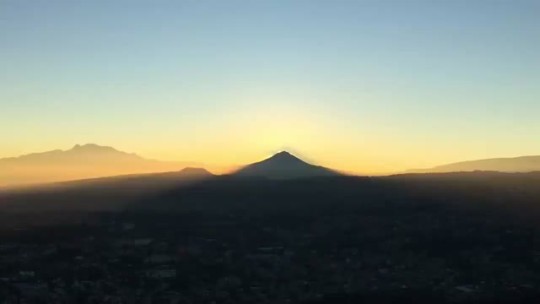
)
(80, 162)
(284, 165)
(513, 165)
(193, 171)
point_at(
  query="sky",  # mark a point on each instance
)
(361, 86)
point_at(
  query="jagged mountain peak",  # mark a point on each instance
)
(94, 148)
(79, 162)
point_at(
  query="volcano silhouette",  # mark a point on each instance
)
(284, 165)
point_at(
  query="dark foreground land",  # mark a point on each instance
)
(447, 238)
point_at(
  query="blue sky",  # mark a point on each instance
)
(367, 86)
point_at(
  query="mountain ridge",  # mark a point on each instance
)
(79, 162)
(75, 150)
(528, 163)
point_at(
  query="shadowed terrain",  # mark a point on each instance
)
(450, 238)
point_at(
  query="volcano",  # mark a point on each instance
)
(284, 165)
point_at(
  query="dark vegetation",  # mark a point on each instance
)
(433, 238)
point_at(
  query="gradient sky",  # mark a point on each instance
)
(362, 86)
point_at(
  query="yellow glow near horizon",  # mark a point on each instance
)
(250, 132)
(227, 85)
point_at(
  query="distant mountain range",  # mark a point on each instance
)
(90, 161)
(80, 162)
(516, 164)
(94, 161)
(284, 165)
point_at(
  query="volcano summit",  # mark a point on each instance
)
(284, 165)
